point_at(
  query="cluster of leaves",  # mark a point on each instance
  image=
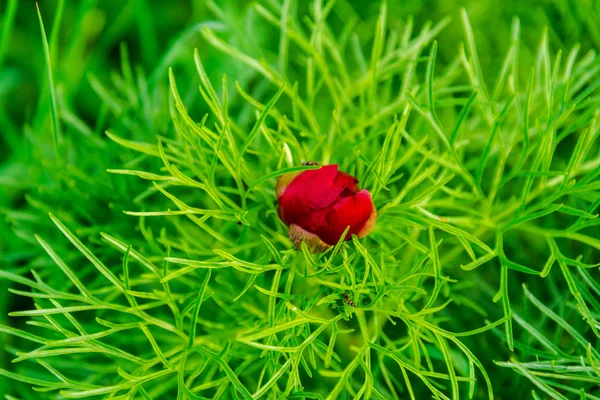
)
(481, 267)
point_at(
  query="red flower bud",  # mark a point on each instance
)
(318, 205)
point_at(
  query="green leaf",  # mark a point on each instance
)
(194, 319)
(56, 134)
(89, 255)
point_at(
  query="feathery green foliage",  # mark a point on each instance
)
(148, 260)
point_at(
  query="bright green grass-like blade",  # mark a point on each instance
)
(283, 59)
(235, 381)
(583, 307)
(461, 117)
(108, 99)
(22, 334)
(155, 346)
(510, 61)
(489, 145)
(560, 321)
(274, 252)
(451, 372)
(126, 278)
(53, 110)
(54, 34)
(131, 253)
(8, 20)
(249, 284)
(31, 381)
(110, 389)
(89, 255)
(437, 269)
(137, 146)
(470, 38)
(60, 310)
(258, 124)
(536, 334)
(376, 52)
(198, 303)
(537, 382)
(503, 293)
(67, 271)
(27, 282)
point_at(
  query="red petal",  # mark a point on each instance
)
(283, 182)
(346, 181)
(353, 211)
(309, 191)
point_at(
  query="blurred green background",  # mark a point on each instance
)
(87, 41)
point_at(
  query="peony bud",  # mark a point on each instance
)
(318, 205)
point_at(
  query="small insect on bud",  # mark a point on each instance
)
(310, 163)
(348, 300)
